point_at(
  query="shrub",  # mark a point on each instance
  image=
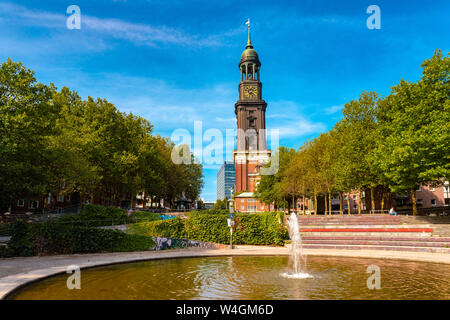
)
(208, 227)
(61, 238)
(144, 215)
(20, 243)
(256, 229)
(171, 228)
(93, 215)
(208, 211)
(4, 230)
(4, 252)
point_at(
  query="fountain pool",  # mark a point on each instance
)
(248, 277)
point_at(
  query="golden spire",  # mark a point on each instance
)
(249, 42)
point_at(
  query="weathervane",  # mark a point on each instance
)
(249, 43)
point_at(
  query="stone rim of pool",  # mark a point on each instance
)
(57, 264)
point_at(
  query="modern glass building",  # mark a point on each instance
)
(225, 180)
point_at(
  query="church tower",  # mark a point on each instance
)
(251, 152)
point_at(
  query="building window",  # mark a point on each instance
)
(432, 189)
(419, 189)
(242, 200)
(419, 201)
(68, 198)
(251, 200)
(433, 202)
(242, 207)
(251, 208)
(60, 198)
(355, 206)
(345, 197)
(20, 203)
(354, 197)
(262, 207)
(34, 204)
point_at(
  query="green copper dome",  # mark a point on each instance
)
(249, 55)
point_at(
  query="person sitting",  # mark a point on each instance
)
(392, 211)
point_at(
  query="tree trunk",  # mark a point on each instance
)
(359, 202)
(348, 203)
(413, 199)
(315, 203)
(304, 209)
(144, 203)
(372, 201)
(293, 204)
(382, 201)
(341, 203)
(329, 201)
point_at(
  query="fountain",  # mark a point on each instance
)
(297, 257)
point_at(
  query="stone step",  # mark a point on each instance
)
(317, 222)
(380, 243)
(378, 238)
(369, 247)
(353, 216)
(366, 228)
(367, 234)
(343, 218)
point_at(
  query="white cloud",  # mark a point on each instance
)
(141, 34)
(291, 119)
(333, 109)
(300, 127)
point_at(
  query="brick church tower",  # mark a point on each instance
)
(251, 152)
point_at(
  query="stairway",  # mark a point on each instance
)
(373, 232)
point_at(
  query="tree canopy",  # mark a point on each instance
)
(55, 142)
(391, 144)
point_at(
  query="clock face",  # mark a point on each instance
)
(250, 92)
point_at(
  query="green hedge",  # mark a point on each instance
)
(209, 211)
(59, 238)
(94, 216)
(144, 215)
(254, 229)
(171, 228)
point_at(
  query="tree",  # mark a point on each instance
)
(357, 136)
(414, 122)
(27, 120)
(271, 188)
(54, 142)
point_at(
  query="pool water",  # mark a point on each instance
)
(249, 277)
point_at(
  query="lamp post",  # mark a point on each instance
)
(231, 224)
(231, 219)
(230, 201)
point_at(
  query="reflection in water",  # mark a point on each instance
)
(249, 278)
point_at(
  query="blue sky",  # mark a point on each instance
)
(175, 62)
